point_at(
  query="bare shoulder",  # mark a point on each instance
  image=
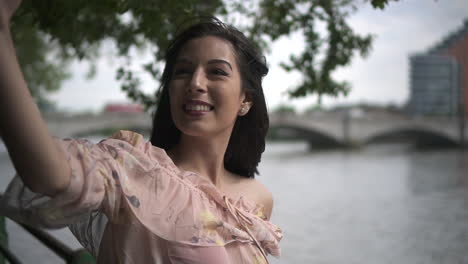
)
(260, 194)
(251, 189)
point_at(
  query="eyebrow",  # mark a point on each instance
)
(213, 61)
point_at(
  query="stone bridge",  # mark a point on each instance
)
(345, 130)
(319, 129)
(63, 125)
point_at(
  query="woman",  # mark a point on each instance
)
(188, 196)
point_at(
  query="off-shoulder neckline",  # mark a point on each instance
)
(135, 139)
(187, 173)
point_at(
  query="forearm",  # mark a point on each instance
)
(35, 156)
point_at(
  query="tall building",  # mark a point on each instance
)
(439, 77)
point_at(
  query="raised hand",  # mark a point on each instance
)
(36, 157)
(7, 9)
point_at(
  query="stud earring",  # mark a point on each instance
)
(243, 111)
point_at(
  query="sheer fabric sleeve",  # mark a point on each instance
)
(90, 230)
(93, 185)
(125, 178)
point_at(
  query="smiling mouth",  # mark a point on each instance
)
(201, 108)
(197, 108)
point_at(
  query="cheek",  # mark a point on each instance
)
(232, 93)
(228, 104)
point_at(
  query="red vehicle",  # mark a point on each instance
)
(122, 107)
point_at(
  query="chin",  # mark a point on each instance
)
(199, 130)
(193, 130)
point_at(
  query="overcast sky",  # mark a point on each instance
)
(403, 28)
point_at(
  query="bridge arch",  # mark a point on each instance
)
(315, 137)
(106, 123)
(416, 135)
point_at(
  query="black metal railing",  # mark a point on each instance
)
(69, 255)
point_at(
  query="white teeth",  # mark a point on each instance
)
(197, 107)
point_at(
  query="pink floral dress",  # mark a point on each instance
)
(128, 203)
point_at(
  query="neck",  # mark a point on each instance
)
(204, 156)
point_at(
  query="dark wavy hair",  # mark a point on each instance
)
(247, 141)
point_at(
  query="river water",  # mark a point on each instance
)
(380, 204)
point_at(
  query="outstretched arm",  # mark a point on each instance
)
(37, 160)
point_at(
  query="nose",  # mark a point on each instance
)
(198, 81)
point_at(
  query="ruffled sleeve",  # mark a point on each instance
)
(128, 179)
(94, 183)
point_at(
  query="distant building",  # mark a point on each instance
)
(439, 77)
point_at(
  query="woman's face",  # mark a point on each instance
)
(205, 89)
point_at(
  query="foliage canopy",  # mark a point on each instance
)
(50, 33)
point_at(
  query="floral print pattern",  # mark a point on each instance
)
(177, 216)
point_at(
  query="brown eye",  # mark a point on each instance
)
(219, 72)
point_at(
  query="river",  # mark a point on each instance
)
(380, 204)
